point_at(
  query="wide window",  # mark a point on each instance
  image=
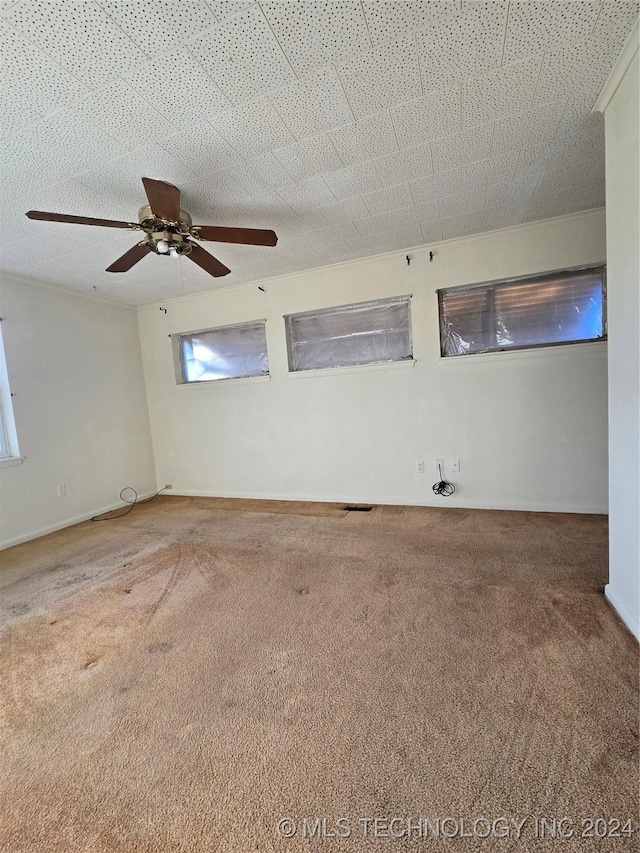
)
(365, 333)
(543, 310)
(228, 352)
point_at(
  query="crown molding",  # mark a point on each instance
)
(420, 248)
(618, 71)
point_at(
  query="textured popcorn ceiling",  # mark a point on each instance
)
(350, 128)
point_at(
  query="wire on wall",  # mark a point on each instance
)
(442, 487)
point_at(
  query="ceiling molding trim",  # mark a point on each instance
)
(618, 71)
(420, 248)
(18, 278)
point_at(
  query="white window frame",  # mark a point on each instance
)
(290, 319)
(178, 355)
(524, 279)
(9, 451)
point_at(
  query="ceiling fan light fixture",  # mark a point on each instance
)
(168, 230)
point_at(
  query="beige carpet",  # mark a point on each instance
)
(186, 677)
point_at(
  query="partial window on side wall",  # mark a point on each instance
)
(8, 438)
(563, 307)
(227, 352)
(364, 333)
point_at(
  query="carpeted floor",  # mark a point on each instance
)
(185, 678)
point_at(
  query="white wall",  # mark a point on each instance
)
(530, 427)
(80, 408)
(623, 251)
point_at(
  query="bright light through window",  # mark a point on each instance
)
(8, 437)
(228, 352)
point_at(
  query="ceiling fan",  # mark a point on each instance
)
(168, 231)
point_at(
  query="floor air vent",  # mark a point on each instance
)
(357, 508)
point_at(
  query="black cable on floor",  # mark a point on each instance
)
(108, 516)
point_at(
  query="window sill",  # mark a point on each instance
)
(356, 368)
(528, 353)
(11, 461)
(238, 380)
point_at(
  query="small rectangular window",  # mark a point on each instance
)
(365, 333)
(543, 310)
(228, 352)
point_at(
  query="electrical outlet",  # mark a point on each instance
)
(440, 467)
(455, 464)
(168, 485)
(420, 467)
(62, 490)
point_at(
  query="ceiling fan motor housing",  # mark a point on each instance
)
(163, 236)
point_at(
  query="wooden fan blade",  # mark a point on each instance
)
(208, 263)
(79, 220)
(164, 199)
(250, 236)
(135, 254)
